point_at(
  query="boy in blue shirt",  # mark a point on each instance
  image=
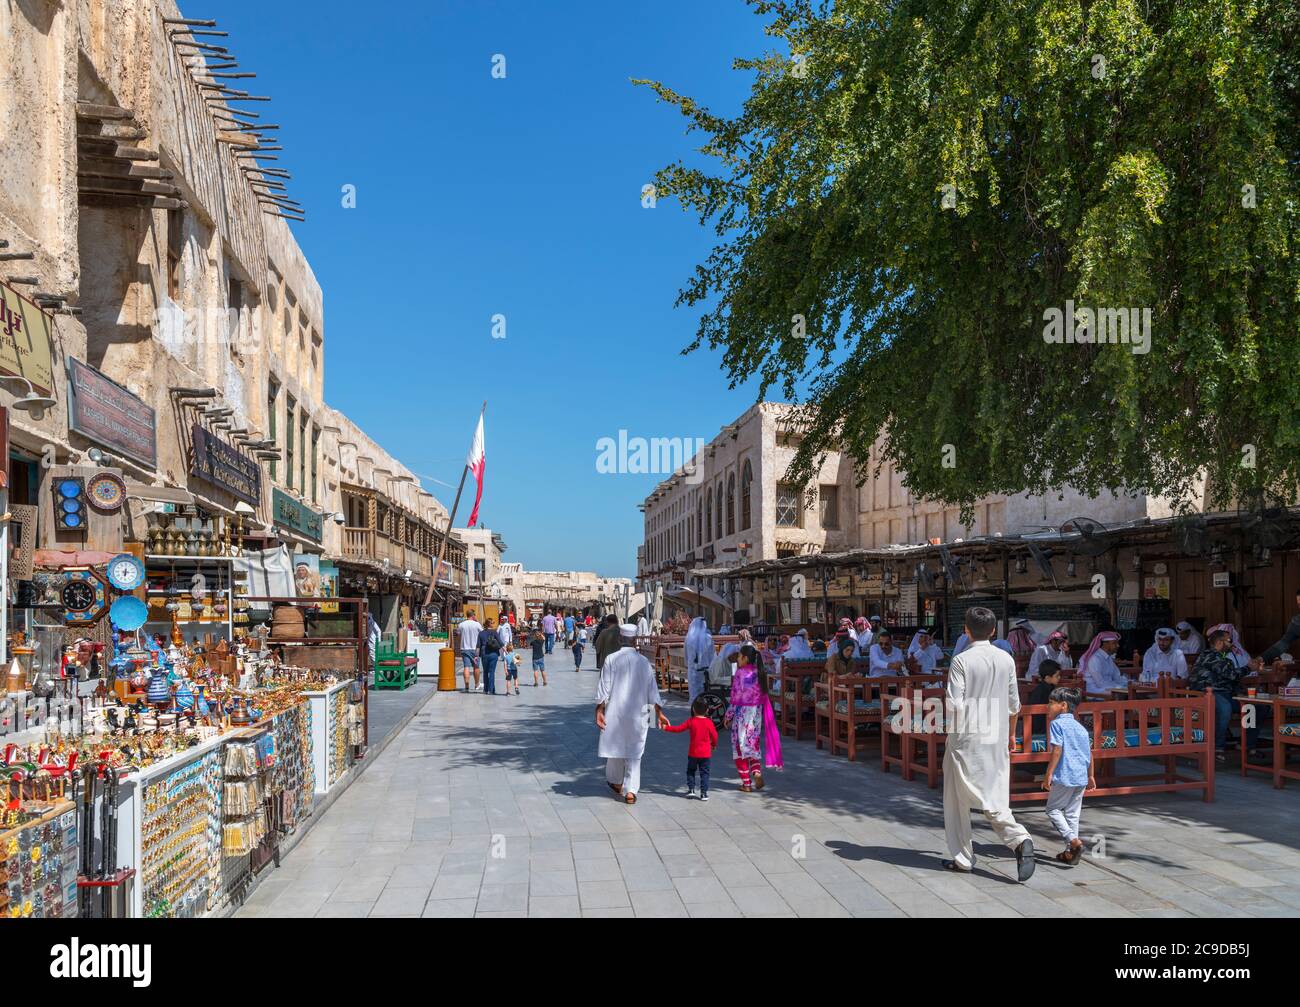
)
(1069, 771)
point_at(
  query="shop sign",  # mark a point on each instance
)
(102, 410)
(1155, 588)
(291, 514)
(218, 463)
(25, 343)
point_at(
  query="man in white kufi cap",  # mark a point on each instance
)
(626, 699)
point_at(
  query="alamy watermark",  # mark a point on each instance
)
(626, 455)
(1121, 326)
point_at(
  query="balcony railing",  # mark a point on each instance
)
(374, 546)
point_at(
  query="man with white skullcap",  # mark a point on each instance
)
(626, 698)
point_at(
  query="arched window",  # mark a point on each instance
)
(731, 504)
(708, 516)
(746, 481)
(718, 514)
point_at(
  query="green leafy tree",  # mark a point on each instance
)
(911, 186)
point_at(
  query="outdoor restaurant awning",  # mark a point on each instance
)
(1139, 532)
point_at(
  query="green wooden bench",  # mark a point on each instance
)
(394, 669)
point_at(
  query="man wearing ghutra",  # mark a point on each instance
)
(1189, 642)
(1100, 672)
(626, 698)
(1163, 658)
(1055, 648)
(699, 654)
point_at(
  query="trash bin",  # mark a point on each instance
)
(446, 670)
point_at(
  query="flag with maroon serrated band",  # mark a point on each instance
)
(477, 461)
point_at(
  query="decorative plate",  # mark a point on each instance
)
(128, 613)
(106, 492)
(125, 572)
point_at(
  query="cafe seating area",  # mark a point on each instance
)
(1148, 737)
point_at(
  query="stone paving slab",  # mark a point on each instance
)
(497, 806)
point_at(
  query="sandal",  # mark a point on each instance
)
(630, 799)
(1076, 854)
(758, 780)
(616, 787)
(952, 865)
(745, 788)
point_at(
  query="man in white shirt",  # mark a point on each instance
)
(1055, 648)
(505, 633)
(886, 659)
(1163, 658)
(1100, 672)
(1189, 642)
(926, 652)
(467, 643)
(868, 630)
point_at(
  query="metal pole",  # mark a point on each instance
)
(4, 579)
(1006, 594)
(451, 523)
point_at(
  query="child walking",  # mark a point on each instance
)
(704, 739)
(579, 644)
(538, 642)
(1069, 771)
(512, 668)
(753, 726)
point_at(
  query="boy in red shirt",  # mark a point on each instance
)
(704, 739)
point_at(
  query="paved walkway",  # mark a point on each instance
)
(490, 806)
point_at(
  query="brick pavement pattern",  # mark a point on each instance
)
(497, 806)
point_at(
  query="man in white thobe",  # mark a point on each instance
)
(1056, 648)
(626, 698)
(1163, 658)
(699, 654)
(1189, 641)
(982, 699)
(925, 652)
(886, 659)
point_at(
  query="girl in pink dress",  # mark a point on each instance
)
(754, 735)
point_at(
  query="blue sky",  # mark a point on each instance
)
(520, 196)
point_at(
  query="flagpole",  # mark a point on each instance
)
(451, 523)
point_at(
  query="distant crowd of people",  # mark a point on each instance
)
(485, 646)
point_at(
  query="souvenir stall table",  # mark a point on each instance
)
(150, 774)
(197, 825)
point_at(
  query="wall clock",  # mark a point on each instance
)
(84, 595)
(125, 572)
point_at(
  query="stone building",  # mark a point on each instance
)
(577, 589)
(157, 284)
(734, 507)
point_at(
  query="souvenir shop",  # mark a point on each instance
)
(163, 727)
